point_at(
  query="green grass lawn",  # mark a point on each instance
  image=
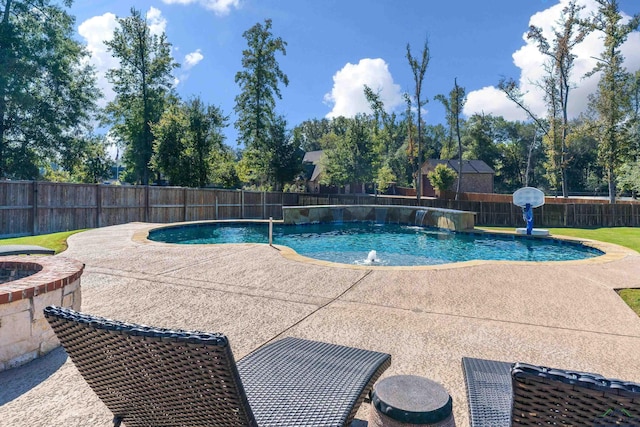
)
(628, 237)
(55, 241)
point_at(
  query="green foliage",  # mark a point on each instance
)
(285, 155)
(442, 177)
(141, 83)
(519, 148)
(258, 81)
(187, 137)
(612, 100)
(480, 139)
(47, 90)
(309, 133)
(385, 178)
(629, 177)
(224, 174)
(83, 159)
(453, 106)
(259, 128)
(349, 158)
(584, 173)
(388, 136)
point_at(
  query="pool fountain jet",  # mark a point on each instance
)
(372, 257)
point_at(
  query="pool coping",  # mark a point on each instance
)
(612, 252)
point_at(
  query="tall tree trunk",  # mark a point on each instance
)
(146, 130)
(533, 143)
(4, 55)
(457, 115)
(612, 185)
(564, 99)
(419, 162)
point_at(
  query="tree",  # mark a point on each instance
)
(557, 84)
(348, 158)
(453, 107)
(285, 154)
(387, 140)
(385, 178)
(259, 87)
(441, 177)
(86, 159)
(584, 171)
(629, 177)
(612, 98)
(225, 173)
(141, 83)
(187, 138)
(308, 133)
(518, 147)
(418, 69)
(47, 90)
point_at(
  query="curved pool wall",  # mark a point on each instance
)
(388, 214)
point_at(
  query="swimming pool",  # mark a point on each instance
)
(394, 245)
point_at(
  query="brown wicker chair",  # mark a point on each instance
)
(159, 377)
(506, 394)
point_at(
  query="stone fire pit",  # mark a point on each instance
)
(27, 285)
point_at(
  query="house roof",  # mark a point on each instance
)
(312, 158)
(468, 166)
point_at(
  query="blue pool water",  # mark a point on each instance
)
(395, 245)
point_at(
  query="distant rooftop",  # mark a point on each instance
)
(312, 157)
(468, 166)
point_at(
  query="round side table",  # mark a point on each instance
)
(410, 400)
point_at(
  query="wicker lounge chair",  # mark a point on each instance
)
(159, 377)
(506, 394)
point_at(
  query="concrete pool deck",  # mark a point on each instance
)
(564, 315)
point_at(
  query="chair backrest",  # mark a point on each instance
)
(544, 396)
(155, 377)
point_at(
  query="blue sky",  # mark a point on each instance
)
(334, 47)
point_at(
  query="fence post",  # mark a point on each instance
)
(264, 205)
(98, 205)
(216, 208)
(146, 203)
(34, 225)
(184, 211)
(241, 204)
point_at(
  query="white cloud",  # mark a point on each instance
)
(531, 64)
(347, 95)
(96, 31)
(157, 23)
(219, 7)
(492, 100)
(192, 59)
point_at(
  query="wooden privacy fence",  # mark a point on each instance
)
(29, 208)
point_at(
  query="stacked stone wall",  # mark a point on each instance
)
(24, 332)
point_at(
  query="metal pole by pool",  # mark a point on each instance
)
(270, 231)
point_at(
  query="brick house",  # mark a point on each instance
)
(477, 176)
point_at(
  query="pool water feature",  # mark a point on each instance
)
(368, 243)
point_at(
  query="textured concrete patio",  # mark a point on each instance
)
(565, 314)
